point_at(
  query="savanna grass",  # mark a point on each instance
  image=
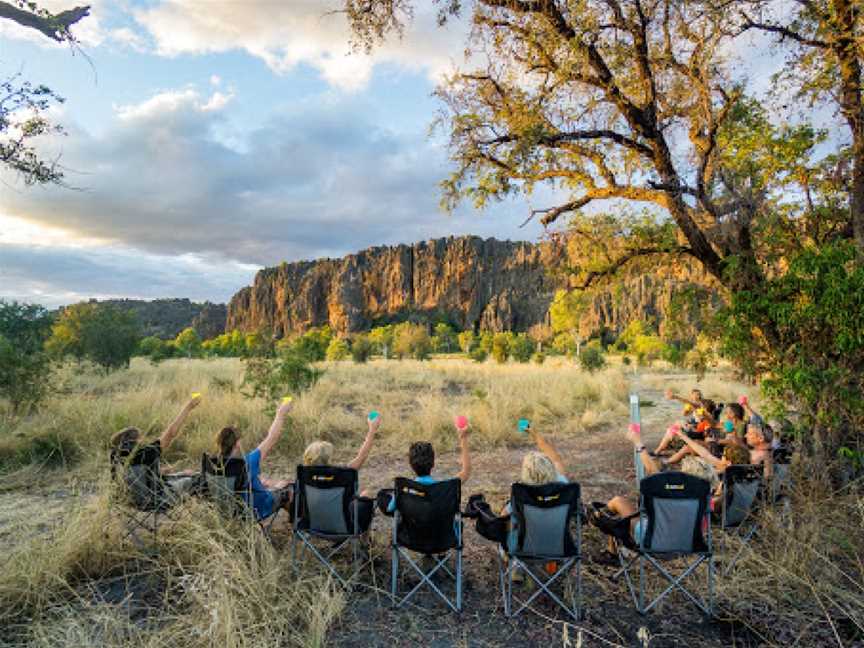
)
(417, 400)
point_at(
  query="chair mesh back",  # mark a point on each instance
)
(325, 494)
(740, 490)
(541, 517)
(226, 482)
(326, 513)
(427, 515)
(142, 477)
(675, 506)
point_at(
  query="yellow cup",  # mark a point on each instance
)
(287, 399)
(196, 394)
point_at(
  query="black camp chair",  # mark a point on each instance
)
(545, 527)
(427, 520)
(226, 484)
(143, 495)
(742, 487)
(673, 507)
(327, 507)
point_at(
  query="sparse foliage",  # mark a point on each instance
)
(25, 368)
(103, 334)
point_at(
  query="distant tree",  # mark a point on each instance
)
(361, 348)
(444, 339)
(564, 344)
(188, 342)
(271, 378)
(485, 342)
(103, 334)
(478, 354)
(411, 340)
(25, 367)
(337, 349)
(567, 312)
(521, 348)
(467, 341)
(542, 334)
(382, 337)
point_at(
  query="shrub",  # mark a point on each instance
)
(444, 340)
(273, 378)
(478, 354)
(337, 349)
(500, 347)
(564, 344)
(521, 348)
(188, 342)
(592, 358)
(382, 338)
(485, 341)
(361, 348)
(538, 358)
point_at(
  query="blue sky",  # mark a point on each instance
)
(208, 139)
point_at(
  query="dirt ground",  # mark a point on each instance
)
(601, 462)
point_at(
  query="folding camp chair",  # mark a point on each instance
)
(741, 490)
(545, 527)
(673, 509)
(427, 520)
(327, 507)
(144, 496)
(226, 484)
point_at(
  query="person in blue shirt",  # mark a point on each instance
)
(421, 457)
(267, 495)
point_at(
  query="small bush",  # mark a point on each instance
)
(273, 378)
(361, 349)
(538, 358)
(478, 354)
(591, 358)
(521, 348)
(337, 349)
(501, 347)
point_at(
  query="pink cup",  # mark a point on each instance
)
(742, 401)
(461, 422)
(636, 428)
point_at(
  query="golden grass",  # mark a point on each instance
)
(416, 399)
(209, 582)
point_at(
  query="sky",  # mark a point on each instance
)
(207, 139)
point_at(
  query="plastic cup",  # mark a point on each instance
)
(742, 401)
(287, 399)
(373, 415)
(461, 422)
(196, 394)
(524, 425)
(636, 428)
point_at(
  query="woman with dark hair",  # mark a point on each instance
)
(267, 495)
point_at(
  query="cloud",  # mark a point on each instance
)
(284, 35)
(319, 178)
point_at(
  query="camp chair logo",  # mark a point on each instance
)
(412, 491)
(322, 477)
(548, 498)
(674, 486)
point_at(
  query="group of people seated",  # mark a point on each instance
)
(711, 438)
(704, 444)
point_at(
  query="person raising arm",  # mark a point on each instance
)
(366, 448)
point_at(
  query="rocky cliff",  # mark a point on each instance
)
(474, 283)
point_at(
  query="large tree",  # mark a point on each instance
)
(634, 108)
(825, 46)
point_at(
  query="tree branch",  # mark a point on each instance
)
(54, 26)
(784, 32)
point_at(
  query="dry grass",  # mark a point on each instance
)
(417, 400)
(210, 582)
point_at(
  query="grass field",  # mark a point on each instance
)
(67, 578)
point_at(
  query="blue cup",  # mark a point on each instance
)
(373, 415)
(524, 425)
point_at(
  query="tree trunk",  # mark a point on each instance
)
(846, 51)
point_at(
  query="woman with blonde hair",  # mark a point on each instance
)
(320, 453)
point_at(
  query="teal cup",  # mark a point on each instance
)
(524, 425)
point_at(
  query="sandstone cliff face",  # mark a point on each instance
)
(477, 284)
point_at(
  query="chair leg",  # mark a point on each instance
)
(394, 571)
(641, 607)
(459, 580)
